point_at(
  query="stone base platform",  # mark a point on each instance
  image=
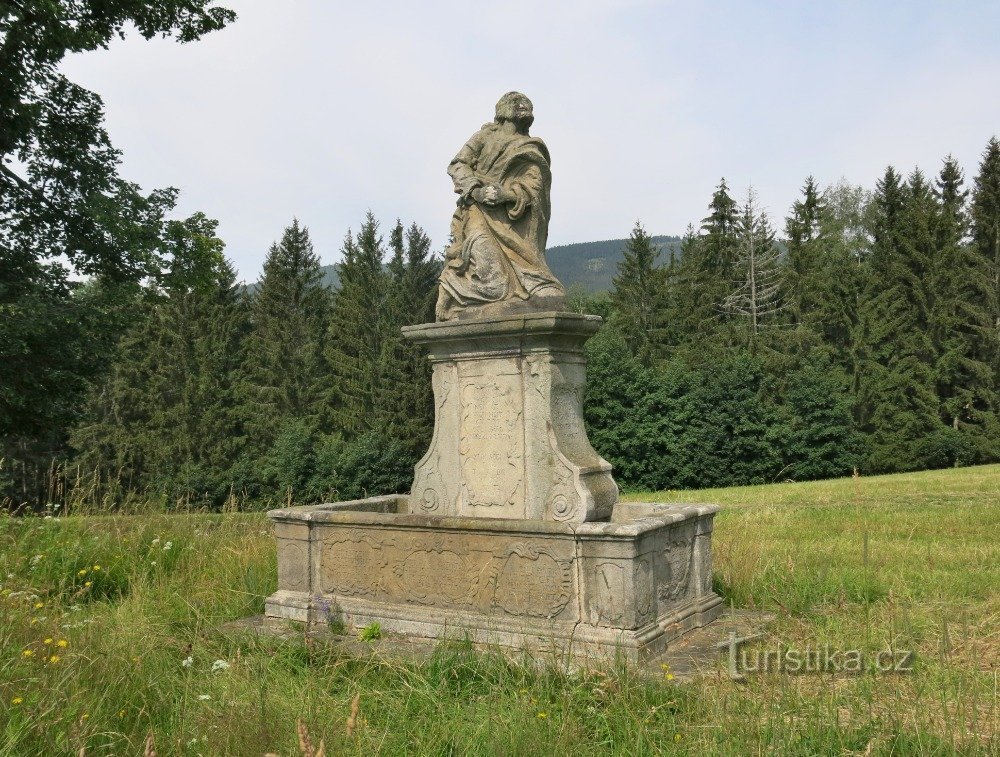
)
(623, 587)
(699, 653)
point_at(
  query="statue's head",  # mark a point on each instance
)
(515, 107)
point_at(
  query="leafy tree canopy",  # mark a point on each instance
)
(59, 186)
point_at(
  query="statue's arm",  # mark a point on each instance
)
(461, 167)
(523, 190)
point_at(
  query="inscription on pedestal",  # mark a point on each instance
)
(435, 577)
(534, 583)
(353, 564)
(491, 444)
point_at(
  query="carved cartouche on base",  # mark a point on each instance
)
(509, 439)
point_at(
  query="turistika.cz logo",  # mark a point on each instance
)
(743, 660)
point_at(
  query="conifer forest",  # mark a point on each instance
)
(863, 337)
(860, 333)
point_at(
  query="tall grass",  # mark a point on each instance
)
(139, 600)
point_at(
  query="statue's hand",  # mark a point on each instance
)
(489, 195)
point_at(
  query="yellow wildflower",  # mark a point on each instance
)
(48, 641)
(677, 737)
(54, 659)
(97, 567)
(87, 583)
(33, 621)
(39, 605)
(121, 713)
(17, 700)
(62, 643)
(670, 676)
(543, 715)
(84, 716)
(28, 653)
(82, 572)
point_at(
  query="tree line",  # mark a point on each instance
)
(291, 390)
(867, 339)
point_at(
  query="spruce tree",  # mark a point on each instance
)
(985, 256)
(986, 222)
(960, 318)
(719, 234)
(408, 403)
(638, 294)
(681, 296)
(166, 418)
(361, 322)
(840, 278)
(284, 376)
(802, 280)
(895, 400)
(711, 268)
(695, 328)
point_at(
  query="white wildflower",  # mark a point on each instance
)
(187, 662)
(204, 697)
(220, 665)
(156, 541)
(168, 546)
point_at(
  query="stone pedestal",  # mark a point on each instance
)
(513, 533)
(624, 587)
(509, 440)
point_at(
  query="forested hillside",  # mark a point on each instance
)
(587, 267)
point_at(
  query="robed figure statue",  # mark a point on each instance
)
(496, 262)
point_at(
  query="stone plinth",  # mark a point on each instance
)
(509, 439)
(626, 586)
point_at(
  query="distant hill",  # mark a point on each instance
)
(591, 265)
(585, 265)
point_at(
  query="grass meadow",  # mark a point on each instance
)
(110, 642)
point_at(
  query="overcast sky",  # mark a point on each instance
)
(322, 109)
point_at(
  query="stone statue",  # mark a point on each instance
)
(496, 263)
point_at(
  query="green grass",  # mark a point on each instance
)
(908, 561)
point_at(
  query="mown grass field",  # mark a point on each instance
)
(109, 633)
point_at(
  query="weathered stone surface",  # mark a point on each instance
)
(509, 439)
(629, 585)
(495, 265)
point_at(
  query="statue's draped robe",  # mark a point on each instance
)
(498, 251)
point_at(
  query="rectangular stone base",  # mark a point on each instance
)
(624, 587)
